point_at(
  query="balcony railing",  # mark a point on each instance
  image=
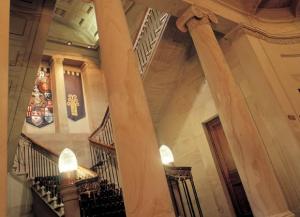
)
(149, 36)
(183, 192)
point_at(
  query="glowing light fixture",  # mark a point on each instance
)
(69, 43)
(67, 161)
(166, 155)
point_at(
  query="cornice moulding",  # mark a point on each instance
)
(258, 16)
(261, 34)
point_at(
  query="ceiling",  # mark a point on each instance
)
(253, 6)
(275, 3)
(74, 23)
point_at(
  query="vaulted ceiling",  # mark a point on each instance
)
(75, 23)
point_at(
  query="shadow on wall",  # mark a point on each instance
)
(179, 109)
(19, 197)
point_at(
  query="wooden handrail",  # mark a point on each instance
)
(104, 120)
(112, 148)
(54, 156)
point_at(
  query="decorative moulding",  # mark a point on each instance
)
(261, 34)
(282, 15)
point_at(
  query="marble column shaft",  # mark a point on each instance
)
(143, 178)
(4, 43)
(261, 185)
(60, 111)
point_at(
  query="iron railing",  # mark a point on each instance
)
(104, 163)
(183, 192)
(149, 36)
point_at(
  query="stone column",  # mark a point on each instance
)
(69, 193)
(59, 96)
(261, 185)
(4, 43)
(143, 178)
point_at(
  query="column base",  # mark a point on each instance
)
(284, 214)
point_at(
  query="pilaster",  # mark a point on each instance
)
(4, 43)
(60, 111)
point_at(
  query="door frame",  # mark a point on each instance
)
(218, 163)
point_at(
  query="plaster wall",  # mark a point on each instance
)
(181, 128)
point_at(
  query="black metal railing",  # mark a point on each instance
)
(99, 198)
(48, 191)
(183, 192)
(104, 162)
(149, 36)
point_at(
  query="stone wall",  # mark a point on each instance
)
(181, 128)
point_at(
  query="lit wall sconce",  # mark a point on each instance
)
(166, 155)
(67, 161)
(67, 166)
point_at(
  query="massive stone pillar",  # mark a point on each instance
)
(263, 190)
(4, 34)
(143, 179)
(35, 21)
(60, 111)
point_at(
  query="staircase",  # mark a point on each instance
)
(99, 195)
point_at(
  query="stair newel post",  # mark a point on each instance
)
(68, 172)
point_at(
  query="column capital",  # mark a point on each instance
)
(56, 59)
(198, 13)
(84, 66)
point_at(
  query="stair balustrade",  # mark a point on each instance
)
(104, 162)
(183, 191)
(149, 36)
(99, 198)
(99, 194)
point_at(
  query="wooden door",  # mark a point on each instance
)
(228, 168)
